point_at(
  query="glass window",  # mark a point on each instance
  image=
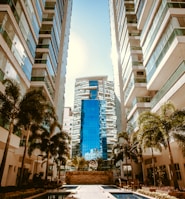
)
(39, 10)
(27, 35)
(90, 129)
(32, 17)
(93, 93)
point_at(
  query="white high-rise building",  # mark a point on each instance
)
(94, 123)
(148, 40)
(68, 122)
(34, 38)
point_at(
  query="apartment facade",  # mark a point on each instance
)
(68, 122)
(149, 37)
(33, 51)
(94, 118)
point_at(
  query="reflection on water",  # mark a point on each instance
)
(54, 196)
(110, 187)
(128, 196)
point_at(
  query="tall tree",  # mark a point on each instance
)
(49, 138)
(79, 162)
(9, 108)
(12, 108)
(61, 150)
(150, 137)
(32, 112)
(168, 120)
(126, 149)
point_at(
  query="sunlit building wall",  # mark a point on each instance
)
(94, 123)
(50, 62)
(68, 122)
(33, 51)
(150, 41)
(128, 62)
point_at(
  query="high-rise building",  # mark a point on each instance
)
(130, 74)
(149, 45)
(33, 51)
(94, 119)
(68, 122)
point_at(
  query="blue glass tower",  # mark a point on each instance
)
(90, 129)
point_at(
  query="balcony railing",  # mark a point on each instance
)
(47, 83)
(171, 81)
(152, 66)
(47, 19)
(1, 75)
(146, 99)
(45, 32)
(6, 36)
(43, 46)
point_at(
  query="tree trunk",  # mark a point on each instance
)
(3, 162)
(59, 174)
(153, 166)
(47, 165)
(132, 169)
(23, 158)
(127, 169)
(173, 174)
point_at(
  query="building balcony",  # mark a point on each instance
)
(138, 103)
(47, 19)
(143, 12)
(6, 37)
(86, 94)
(45, 32)
(36, 81)
(172, 90)
(168, 60)
(136, 87)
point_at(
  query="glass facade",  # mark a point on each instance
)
(90, 129)
(93, 93)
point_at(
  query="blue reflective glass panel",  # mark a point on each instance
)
(90, 129)
(94, 92)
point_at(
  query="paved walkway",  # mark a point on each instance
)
(92, 192)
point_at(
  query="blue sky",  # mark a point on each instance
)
(89, 43)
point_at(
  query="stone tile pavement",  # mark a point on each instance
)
(93, 192)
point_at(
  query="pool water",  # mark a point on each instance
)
(109, 187)
(53, 196)
(68, 187)
(128, 196)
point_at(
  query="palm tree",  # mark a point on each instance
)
(79, 162)
(9, 108)
(61, 150)
(168, 121)
(49, 138)
(32, 109)
(13, 111)
(150, 137)
(61, 160)
(126, 150)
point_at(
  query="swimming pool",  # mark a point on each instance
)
(69, 187)
(56, 195)
(128, 196)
